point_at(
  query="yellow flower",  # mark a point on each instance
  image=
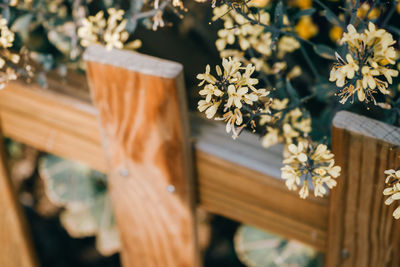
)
(6, 36)
(111, 32)
(351, 37)
(292, 177)
(237, 29)
(335, 33)
(232, 89)
(292, 126)
(7, 58)
(210, 90)
(236, 96)
(232, 118)
(206, 77)
(304, 191)
(306, 28)
(307, 161)
(271, 138)
(294, 73)
(210, 108)
(302, 4)
(363, 10)
(258, 3)
(393, 191)
(287, 44)
(370, 53)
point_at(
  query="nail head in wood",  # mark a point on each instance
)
(124, 172)
(171, 188)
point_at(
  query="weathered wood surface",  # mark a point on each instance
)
(146, 142)
(35, 113)
(16, 247)
(362, 231)
(239, 180)
(53, 121)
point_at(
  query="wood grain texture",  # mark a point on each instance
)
(16, 249)
(55, 121)
(148, 154)
(362, 231)
(36, 113)
(250, 197)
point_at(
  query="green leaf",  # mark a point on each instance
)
(294, 96)
(332, 18)
(305, 12)
(393, 29)
(83, 194)
(324, 90)
(257, 248)
(61, 41)
(324, 51)
(68, 183)
(21, 24)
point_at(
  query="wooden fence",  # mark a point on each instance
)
(137, 132)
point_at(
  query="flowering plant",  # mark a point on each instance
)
(287, 66)
(283, 46)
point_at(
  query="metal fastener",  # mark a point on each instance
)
(171, 188)
(124, 172)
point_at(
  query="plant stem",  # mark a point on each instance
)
(354, 11)
(330, 10)
(388, 16)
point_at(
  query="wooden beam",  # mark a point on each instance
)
(52, 121)
(16, 249)
(146, 139)
(253, 198)
(31, 114)
(362, 231)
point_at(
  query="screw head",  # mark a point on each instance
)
(124, 172)
(345, 254)
(171, 188)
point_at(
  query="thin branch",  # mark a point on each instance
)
(149, 13)
(330, 10)
(354, 11)
(389, 16)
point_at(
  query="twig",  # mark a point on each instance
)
(389, 16)
(354, 11)
(149, 13)
(330, 10)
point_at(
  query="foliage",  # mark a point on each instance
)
(83, 194)
(284, 44)
(55, 32)
(257, 248)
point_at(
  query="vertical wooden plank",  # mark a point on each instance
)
(361, 229)
(142, 115)
(16, 248)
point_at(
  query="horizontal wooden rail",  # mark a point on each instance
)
(65, 124)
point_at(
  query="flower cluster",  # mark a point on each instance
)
(284, 125)
(237, 29)
(239, 37)
(111, 32)
(393, 191)
(232, 91)
(7, 73)
(366, 67)
(307, 162)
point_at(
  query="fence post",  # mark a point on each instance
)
(16, 247)
(362, 231)
(145, 135)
